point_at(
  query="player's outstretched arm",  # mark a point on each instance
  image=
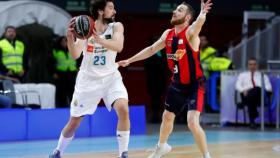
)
(147, 52)
(75, 47)
(196, 26)
(116, 43)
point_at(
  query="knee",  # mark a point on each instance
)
(167, 117)
(122, 110)
(193, 125)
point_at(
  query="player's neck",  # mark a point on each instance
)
(181, 27)
(100, 26)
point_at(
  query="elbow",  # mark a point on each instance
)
(152, 50)
(75, 56)
(74, 53)
(119, 49)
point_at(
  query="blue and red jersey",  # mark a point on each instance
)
(183, 61)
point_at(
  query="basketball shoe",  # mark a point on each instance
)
(55, 154)
(160, 151)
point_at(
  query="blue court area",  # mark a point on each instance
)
(32, 149)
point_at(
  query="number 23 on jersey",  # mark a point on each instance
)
(99, 60)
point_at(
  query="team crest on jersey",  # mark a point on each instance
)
(180, 41)
(178, 55)
(91, 41)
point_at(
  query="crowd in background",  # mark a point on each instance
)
(15, 64)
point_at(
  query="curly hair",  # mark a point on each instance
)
(97, 5)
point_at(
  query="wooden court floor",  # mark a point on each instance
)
(252, 149)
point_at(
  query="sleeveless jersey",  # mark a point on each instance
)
(97, 60)
(183, 61)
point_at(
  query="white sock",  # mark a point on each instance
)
(123, 140)
(207, 155)
(63, 143)
(161, 144)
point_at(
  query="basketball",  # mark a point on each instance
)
(83, 26)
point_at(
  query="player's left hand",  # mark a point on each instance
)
(123, 63)
(206, 6)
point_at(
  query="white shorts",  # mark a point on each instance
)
(89, 91)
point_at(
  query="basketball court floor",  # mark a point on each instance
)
(222, 144)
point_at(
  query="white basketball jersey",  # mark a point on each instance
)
(97, 60)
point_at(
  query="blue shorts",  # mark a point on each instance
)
(185, 97)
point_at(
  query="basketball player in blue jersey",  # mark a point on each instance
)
(187, 86)
(98, 77)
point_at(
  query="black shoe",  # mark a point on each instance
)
(124, 155)
(55, 154)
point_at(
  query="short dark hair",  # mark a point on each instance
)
(9, 27)
(253, 58)
(96, 5)
(190, 10)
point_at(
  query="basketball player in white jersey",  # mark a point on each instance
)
(98, 77)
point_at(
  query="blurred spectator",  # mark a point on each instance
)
(212, 60)
(12, 54)
(249, 85)
(64, 72)
(155, 68)
(207, 54)
(220, 63)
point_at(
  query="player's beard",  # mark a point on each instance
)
(177, 22)
(109, 20)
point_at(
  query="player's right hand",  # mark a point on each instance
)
(70, 29)
(206, 6)
(123, 63)
(71, 24)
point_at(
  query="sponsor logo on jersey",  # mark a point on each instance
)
(178, 55)
(90, 48)
(171, 56)
(100, 50)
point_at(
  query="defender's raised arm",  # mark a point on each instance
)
(196, 26)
